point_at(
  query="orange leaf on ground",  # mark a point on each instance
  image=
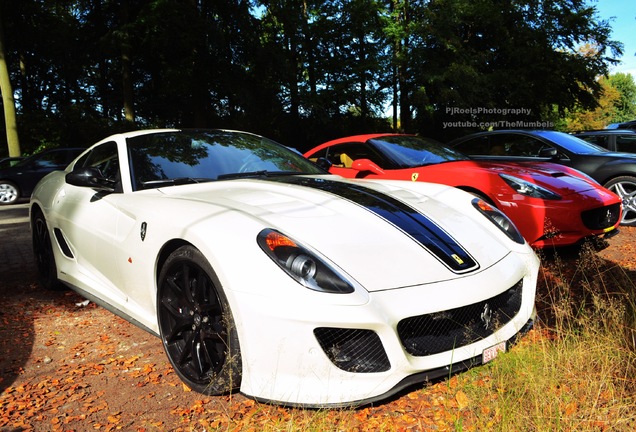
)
(570, 408)
(462, 399)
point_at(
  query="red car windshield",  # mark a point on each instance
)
(413, 151)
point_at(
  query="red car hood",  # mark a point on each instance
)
(554, 177)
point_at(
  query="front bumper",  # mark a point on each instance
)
(286, 361)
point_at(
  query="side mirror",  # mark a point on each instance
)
(548, 152)
(366, 165)
(90, 177)
(323, 163)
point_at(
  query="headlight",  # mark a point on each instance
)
(499, 219)
(529, 189)
(301, 264)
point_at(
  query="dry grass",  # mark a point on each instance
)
(576, 371)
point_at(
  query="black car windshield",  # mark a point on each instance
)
(407, 151)
(178, 157)
(571, 143)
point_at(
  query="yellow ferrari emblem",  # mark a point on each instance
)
(458, 259)
(414, 176)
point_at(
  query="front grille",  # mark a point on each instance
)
(353, 350)
(438, 332)
(601, 218)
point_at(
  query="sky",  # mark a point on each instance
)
(623, 26)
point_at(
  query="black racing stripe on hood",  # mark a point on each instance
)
(415, 224)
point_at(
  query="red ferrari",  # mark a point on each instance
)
(552, 205)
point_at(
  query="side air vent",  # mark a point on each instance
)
(66, 250)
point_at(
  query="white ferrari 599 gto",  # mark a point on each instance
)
(263, 273)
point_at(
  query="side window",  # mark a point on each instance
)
(106, 160)
(52, 159)
(345, 154)
(81, 161)
(626, 143)
(475, 146)
(520, 145)
(596, 139)
(320, 154)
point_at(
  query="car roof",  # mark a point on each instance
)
(606, 132)
(365, 137)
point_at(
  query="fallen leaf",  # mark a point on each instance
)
(462, 399)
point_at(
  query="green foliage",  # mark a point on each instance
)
(626, 103)
(299, 72)
(522, 54)
(616, 103)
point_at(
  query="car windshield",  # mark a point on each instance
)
(177, 157)
(572, 143)
(414, 151)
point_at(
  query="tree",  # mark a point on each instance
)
(625, 105)
(510, 54)
(579, 119)
(298, 71)
(616, 104)
(8, 102)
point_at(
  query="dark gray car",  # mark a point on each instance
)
(18, 181)
(620, 140)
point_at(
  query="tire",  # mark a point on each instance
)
(625, 188)
(196, 324)
(43, 253)
(9, 192)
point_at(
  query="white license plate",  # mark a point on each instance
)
(491, 352)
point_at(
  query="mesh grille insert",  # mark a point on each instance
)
(353, 350)
(446, 330)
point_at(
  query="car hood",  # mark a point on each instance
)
(548, 175)
(358, 227)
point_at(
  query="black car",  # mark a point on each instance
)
(621, 140)
(615, 171)
(18, 181)
(9, 161)
(627, 125)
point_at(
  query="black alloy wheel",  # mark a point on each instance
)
(196, 324)
(43, 253)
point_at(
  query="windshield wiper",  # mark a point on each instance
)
(253, 174)
(173, 182)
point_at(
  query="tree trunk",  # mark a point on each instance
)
(8, 102)
(126, 67)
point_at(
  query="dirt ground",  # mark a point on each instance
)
(66, 364)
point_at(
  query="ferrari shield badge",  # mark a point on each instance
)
(414, 176)
(142, 231)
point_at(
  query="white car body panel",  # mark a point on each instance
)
(116, 240)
